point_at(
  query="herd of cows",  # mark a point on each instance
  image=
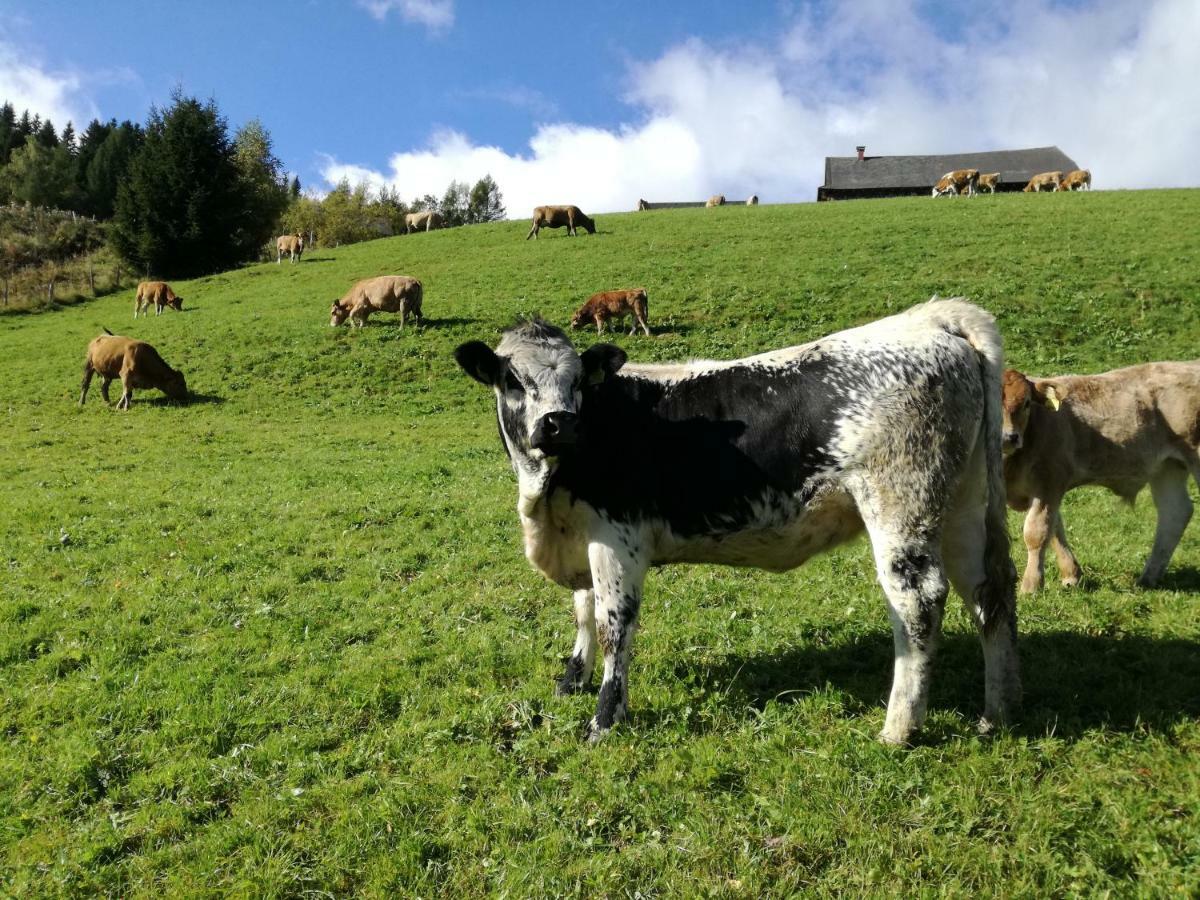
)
(909, 429)
(970, 182)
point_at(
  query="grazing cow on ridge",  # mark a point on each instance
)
(1077, 180)
(558, 217)
(960, 181)
(715, 200)
(989, 182)
(643, 205)
(292, 244)
(385, 293)
(1047, 181)
(422, 221)
(753, 201)
(893, 427)
(1119, 430)
(157, 292)
(606, 305)
(136, 363)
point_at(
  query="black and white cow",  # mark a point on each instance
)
(893, 427)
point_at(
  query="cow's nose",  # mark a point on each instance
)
(1011, 440)
(554, 431)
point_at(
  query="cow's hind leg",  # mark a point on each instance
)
(1170, 491)
(617, 576)
(578, 671)
(88, 372)
(963, 551)
(1069, 572)
(910, 570)
(105, 381)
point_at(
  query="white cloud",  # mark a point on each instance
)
(433, 14)
(1111, 83)
(58, 96)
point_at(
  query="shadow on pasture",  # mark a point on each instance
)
(315, 259)
(447, 322)
(1074, 683)
(161, 400)
(1180, 578)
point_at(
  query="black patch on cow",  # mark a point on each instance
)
(571, 681)
(700, 453)
(911, 568)
(612, 697)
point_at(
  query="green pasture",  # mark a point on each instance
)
(283, 642)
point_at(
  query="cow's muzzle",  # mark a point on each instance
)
(1010, 442)
(554, 432)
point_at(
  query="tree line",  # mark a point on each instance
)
(185, 197)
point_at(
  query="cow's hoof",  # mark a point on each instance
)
(1146, 582)
(565, 687)
(594, 733)
(1070, 581)
(893, 740)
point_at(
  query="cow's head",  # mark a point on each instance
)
(1019, 396)
(589, 224)
(582, 317)
(175, 303)
(338, 313)
(540, 383)
(175, 386)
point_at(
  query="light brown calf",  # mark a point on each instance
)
(135, 362)
(1078, 180)
(157, 292)
(988, 182)
(1047, 181)
(715, 200)
(291, 244)
(422, 221)
(606, 305)
(386, 293)
(1119, 430)
(568, 217)
(960, 181)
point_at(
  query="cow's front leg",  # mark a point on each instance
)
(578, 671)
(1170, 491)
(1039, 525)
(1069, 572)
(617, 576)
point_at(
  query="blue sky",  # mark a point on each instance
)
(602, 103)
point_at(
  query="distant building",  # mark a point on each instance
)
(856, 177)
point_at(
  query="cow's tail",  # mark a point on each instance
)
(106, 331)
(996, 597)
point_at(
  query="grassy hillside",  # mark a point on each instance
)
(283, 640)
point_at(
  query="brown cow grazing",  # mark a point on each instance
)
(1047, 181)
(157, 292)
(714, 200)
(753, 201)
(559, 217)
(136, 363)
(613, 305)
(1119, 430)
(292, 244)
(1077, 180)
(422, 221)
(386, 293)
(960, 181)
(988, 182)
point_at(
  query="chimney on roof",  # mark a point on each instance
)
(861, 150)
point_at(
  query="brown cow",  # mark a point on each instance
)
(1119, 430)
(1077, 180)
(136, 363)
(714, 200)
(989, 182)
(292, 244)
(422, 221)
(385, 293)
(614, 305)
(1047, 181)
(957, 182)
(558, 217)
(157, 292)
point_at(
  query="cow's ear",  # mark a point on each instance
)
(478, 361)
(1048, 395)
(602, 360)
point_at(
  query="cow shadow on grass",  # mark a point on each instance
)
(1074, 683)
(446, 322)
(316, 259)
(194, 399)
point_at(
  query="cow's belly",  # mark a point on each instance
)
(775, 546)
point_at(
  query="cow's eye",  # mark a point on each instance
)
(512, 383)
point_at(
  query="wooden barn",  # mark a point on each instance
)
(856, 177)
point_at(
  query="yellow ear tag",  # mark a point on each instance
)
(1052, 399)
(596, 377)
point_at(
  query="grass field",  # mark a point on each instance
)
(283, 641)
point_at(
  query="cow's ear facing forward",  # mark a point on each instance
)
(478, 361)
(602, 360)
(1049, 395)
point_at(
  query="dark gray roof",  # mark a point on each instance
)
(850, 172)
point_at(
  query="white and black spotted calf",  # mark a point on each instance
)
(893, 427)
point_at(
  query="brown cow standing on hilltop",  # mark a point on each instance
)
(1047, 181)
(426, 220)
(558, 217)
(714, 200)
(1077, 180)
(1119, 430)
(385, 293)
(960, 181)
(292, 244)
(988, 182)
(157, 292)
(135, 362)
(606, 305)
